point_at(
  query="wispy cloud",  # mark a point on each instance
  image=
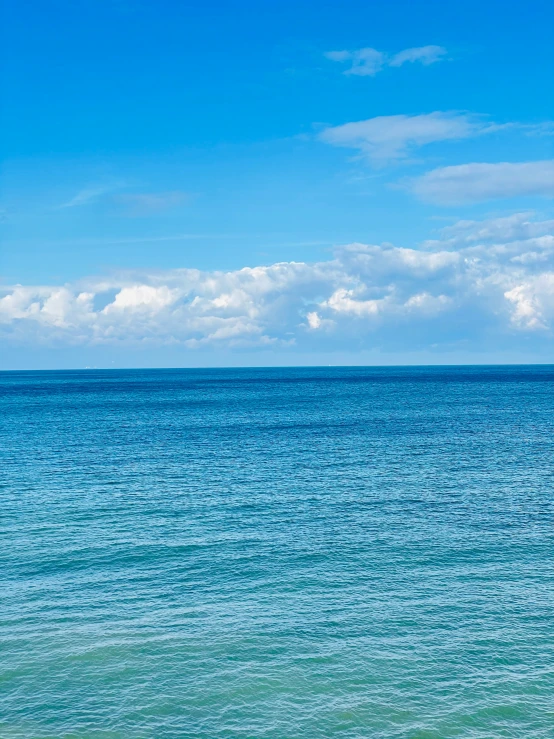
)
(364, 62)
(424, 54)
(501, 230)
(394, 137)
(481, 289)
(476, 182)
(367, 62)
(150, 203)
(88, 195)
(133, 203)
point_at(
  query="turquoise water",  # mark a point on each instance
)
(287, 553)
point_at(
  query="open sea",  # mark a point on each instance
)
(277, 553)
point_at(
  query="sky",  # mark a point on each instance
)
(276, 183)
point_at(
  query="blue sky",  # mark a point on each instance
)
(400, 152)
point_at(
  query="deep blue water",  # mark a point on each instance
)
(284, 553)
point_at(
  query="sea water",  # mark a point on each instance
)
(277, 553)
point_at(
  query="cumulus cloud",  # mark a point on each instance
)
(466, 183)
(393, 137)
(477, 282)
(142, 297)
(368, 61)
(527, 308)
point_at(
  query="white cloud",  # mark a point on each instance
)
(345, 301)
(367, 62)
(392, 137)
(476, 182)
(506, 228)
(478, 282)
(424, 54)
(533, 301)
(516, 237)
(314, 321)
(143, 297)
(526, 309)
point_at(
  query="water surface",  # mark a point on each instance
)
(285, 553)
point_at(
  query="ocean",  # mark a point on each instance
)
(277, 553)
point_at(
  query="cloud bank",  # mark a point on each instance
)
(478, 283)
